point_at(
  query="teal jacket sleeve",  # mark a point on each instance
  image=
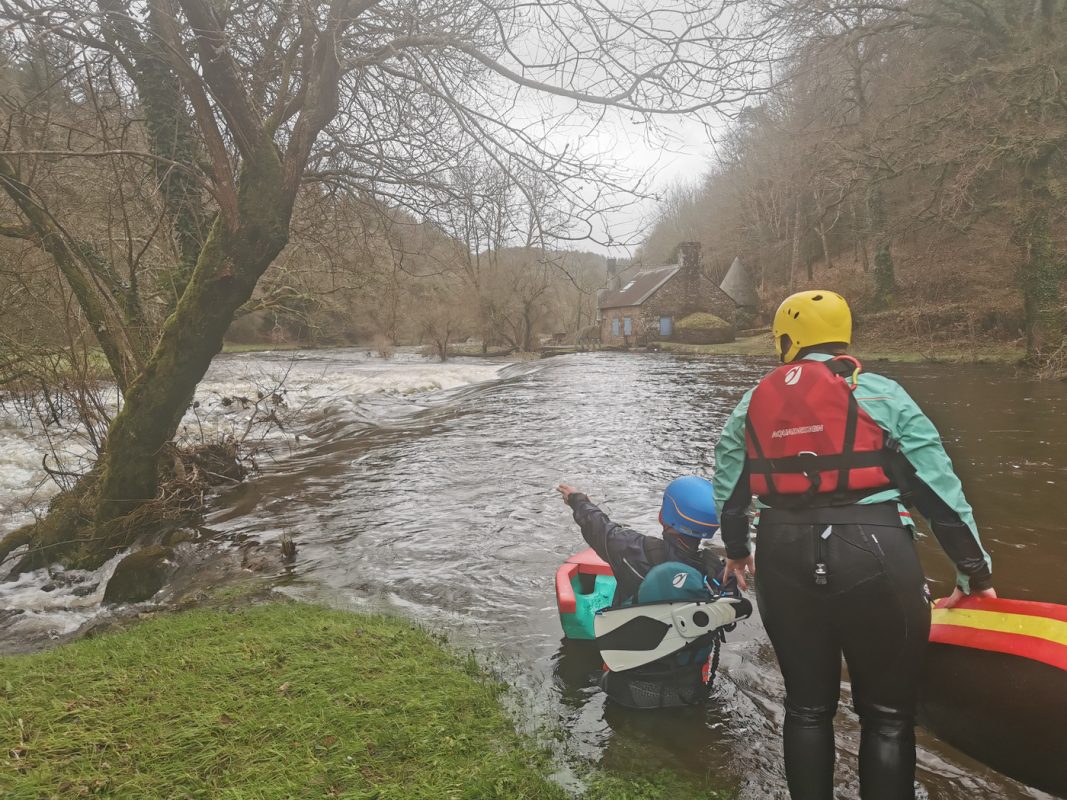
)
(731, 485)
(934, 487)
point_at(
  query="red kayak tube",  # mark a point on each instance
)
(586, 562)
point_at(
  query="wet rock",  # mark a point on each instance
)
(268, 558)
(50, 587)
(87, 589)
(179, 536)
(8, 613)
(288, 548)
(140, 575)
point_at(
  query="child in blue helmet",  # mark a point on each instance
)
(688, 517)
(650, 569)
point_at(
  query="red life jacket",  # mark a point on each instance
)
(805, 434)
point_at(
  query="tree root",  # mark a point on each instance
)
(69, 536)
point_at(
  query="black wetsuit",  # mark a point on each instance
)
(873, 608)
(631, 554)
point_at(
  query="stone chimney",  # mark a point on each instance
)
(689, 260)
(689, 256)
(614, 283)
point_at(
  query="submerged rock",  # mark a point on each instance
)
(180, 536)
(8, 613)
(140, 575)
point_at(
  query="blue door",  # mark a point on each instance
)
(666, 326)
(615, 327)
(627, 326)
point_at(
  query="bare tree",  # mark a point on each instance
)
(245, 105)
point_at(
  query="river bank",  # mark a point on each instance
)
(274, 700)
(907, 352)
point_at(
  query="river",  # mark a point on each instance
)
(428, 489)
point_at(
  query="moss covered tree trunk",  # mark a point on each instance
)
(885, 279)
(230, 264)
(1042, 269)
(88, 525)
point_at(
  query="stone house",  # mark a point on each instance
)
(645, 306)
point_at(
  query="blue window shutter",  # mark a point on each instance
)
(615, 327)
(627, 326)
(666, 326)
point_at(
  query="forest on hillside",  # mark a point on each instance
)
(909, 154)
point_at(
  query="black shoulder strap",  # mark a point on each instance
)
(848, 447)
(760, 457)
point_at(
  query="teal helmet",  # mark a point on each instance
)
(689, 507)
(672, 582)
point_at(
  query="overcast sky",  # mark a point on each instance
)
(683, 159)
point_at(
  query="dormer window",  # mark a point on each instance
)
(628, 286)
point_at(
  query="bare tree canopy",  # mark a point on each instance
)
(157, 151)
(892, 126)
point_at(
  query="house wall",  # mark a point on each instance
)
(672, 300)
(684, 294)
(610, 339)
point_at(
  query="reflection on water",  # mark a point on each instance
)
(444, 509)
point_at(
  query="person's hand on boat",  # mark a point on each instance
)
(738, 568)
(958, 594)
(567, 491)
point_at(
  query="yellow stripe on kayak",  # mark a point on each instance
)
(1051, 630)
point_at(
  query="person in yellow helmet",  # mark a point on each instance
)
(834, 455)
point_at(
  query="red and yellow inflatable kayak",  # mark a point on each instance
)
(996, 686)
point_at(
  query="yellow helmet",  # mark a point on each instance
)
(805, 319)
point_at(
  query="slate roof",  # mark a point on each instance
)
(738, 284)
(641, 286)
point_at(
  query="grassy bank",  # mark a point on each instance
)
(992, 353)
(262, 347)
(271, 701)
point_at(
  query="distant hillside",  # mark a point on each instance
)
(909, 157)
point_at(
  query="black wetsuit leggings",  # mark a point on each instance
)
(873, 610)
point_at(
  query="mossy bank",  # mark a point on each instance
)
(272, 701)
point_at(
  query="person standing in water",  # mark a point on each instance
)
(833, 454)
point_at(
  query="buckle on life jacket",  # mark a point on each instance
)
(809, 470)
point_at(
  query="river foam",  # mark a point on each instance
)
(271, 400)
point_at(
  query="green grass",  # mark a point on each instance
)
(261, 347)
(271, 701)
(748, 346)
(992, 353)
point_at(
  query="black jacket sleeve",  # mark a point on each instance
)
(597, 528)
(734, 521)
(626, 551)
(952, 532)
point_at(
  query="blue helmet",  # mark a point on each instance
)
(689, 507)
